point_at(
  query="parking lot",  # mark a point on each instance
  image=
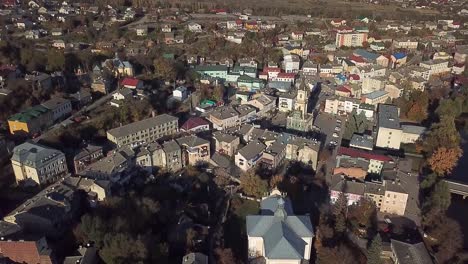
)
(327, 124)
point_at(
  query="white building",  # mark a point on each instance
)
(341, 105)
(180, 93)
(436, 66)
(277, 234)
(291, 63)
(248, 156)
(389, 132)
(194, 27)
(40, 164)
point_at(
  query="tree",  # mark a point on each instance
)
(363, 212)
(55, 60)
(339, 210)
(253, 185)
(357, 123)
(449, 107)
(225, 256)
(448, 238)
(436, 204)
(164, 69)
(276, 180)
(444, 160)
(442, 134)
(218, 92)
(374, 250)
(122, 248)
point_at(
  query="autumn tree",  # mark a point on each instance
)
(374, 251)
(362, 213)
(276, 180)
(253, 185)
(444, 160)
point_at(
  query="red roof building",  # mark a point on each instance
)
(355, 153)
(30, 252)
(286, 75)
(195, 124)
(131, 83)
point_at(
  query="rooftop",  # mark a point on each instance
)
(388, 116)
(410, 253)
(252, 149)
(29, 114)
(35, 155)
(141, 125)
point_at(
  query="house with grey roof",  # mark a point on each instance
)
(195, 149)
(226, 143)
(248, 156)
(60, 107)
(276, 234)
(406, 253)
(48, 212)
(32, 161)
(113, 167)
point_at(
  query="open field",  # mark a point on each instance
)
(327, 8)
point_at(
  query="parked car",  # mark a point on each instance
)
(335, 135)
(337, 129)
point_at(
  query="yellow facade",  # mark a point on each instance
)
(18, 126)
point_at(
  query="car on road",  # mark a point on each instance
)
(335, 135)
(333, 143)
(337, 129)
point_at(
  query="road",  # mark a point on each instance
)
(326, 123)
(80, 112)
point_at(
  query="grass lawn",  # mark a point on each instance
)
(234, 228)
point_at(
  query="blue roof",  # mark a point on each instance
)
(376, 94)
(366, 54)
(399, 55)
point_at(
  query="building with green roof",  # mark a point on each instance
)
(31, 120)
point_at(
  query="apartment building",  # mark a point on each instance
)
(303, 150)
(353, 190)
(194, 149)
(341, 105)
(30, 121)
(86, 156)
(461, 54)
(226, 143)
(248, 156)
(375, 98)
(291, 63)
(274, 155)
(369, 161)
(389, 132)
(395, 198)
(224, 117)
(373, 84)
(436, 67)
(38, 163)
(350, 39)
(405, 44)
(60, 107)
(144, 131)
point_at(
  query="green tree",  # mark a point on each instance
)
(374, 250)
(357, 123)
(449, 107)
(339, 210)
(442, 134)
(218, 92)
(436, 204)
(253, 185)
(164, 69)
(55, 60)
